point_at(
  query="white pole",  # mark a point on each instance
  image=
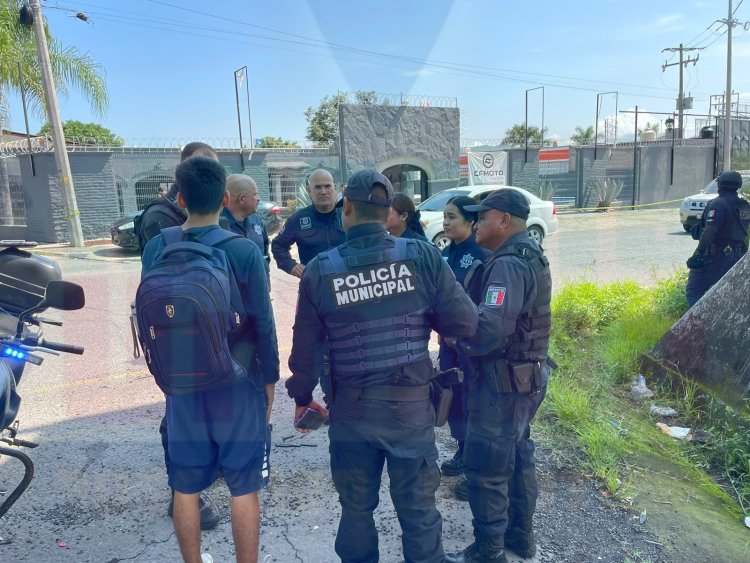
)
(58, 137)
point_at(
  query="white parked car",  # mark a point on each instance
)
(542, 220)
(692, 206)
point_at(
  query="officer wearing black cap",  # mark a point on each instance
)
(509, 351)
(724, 223)
(376, 299)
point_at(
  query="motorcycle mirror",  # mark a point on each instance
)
(63, 295)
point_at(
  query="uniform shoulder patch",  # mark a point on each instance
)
(710, 215)
(495, 296)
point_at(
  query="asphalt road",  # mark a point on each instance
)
(100, 490)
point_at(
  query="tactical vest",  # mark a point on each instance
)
(531, 339)
(736, 226)
(385, 341)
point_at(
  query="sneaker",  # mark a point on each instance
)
(522, 545)
(454, 466)
(209, 517)
(461, 490)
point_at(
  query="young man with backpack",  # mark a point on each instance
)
(160, 214)
(209, 339)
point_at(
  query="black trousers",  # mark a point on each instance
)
(499, 463)
(700, 280)
(364, 436)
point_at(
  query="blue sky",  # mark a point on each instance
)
(170, 63)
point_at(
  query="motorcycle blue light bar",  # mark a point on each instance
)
(13, 353)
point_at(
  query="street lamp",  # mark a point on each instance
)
(240, 76)
(526, 123)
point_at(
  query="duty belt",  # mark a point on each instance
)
(726, 247)
(396, 393)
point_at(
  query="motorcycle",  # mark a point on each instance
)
(29, 284)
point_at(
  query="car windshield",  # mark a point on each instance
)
(438, 201)
(712, 188)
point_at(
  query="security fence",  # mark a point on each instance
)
(112, 182)
(625, 174)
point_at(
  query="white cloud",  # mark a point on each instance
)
(740, 49)
(420, 73)
(626, 123)
(664, 24)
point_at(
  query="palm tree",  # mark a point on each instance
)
(516, 135)
(583, 136)
(70, 68)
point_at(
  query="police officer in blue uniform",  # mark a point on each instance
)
(513, 292)
(724, 223)
(461, 254)
(376, 298)
(313, 229)
(164, 212)
(241, 214)
(403, 218)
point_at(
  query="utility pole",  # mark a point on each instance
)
(58, 137)
(730, 22)
(683, 63)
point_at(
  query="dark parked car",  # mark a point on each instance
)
(123, 234)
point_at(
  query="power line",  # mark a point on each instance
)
(525, 77)
(151, 22)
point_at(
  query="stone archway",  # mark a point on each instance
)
(410, 175)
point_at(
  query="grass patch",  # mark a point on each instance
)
(598, 334)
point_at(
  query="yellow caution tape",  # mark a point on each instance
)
(622, 207)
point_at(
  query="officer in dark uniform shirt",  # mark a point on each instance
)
(403, 218)
(164, 211)
(376, 298)
(313, 229)
(722, 243)
(461, 254)
(241, 213)
(513, 293)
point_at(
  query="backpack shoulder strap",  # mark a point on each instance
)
(215, 237)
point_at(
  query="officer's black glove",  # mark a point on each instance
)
(695, 262)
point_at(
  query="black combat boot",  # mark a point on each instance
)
(461, 490)
(522, 544)
(477, 553)
(455, 465)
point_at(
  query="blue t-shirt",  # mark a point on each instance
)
(249, 270)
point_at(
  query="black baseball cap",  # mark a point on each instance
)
(360, 185)
(504, 199)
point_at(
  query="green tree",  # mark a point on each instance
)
(70, 67)
(516, 135)
(323, 121)
(86, 133)
(275, 142)
(583, 136)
